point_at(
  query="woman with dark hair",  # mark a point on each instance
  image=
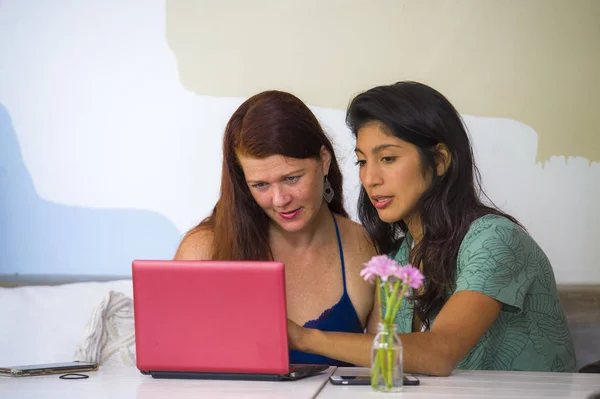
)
(281, 199)
(490, 299)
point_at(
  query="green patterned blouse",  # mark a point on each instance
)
(499, 259)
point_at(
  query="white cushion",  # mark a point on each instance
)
(45, 324)
(110, 333)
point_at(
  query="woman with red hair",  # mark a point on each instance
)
(281, 199)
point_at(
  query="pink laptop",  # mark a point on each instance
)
(213, 320)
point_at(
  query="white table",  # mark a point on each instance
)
(129, 383)
(478, 384)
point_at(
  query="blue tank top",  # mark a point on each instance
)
(341, 317)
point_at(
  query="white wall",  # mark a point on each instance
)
(105, 157)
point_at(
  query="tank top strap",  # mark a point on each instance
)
(339, 240)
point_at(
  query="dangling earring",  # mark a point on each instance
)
(328, 191)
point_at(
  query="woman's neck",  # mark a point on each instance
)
(415, 228)
(316, 231)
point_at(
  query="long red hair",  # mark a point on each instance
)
(268, 123)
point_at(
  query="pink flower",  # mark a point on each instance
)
(381, 266)
(410, 276)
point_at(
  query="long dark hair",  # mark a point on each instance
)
(268, 123)
(418, 114)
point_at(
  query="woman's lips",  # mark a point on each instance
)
(290, 215)
(381, 202)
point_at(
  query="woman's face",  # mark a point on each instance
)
(390, 172)
(289, 190)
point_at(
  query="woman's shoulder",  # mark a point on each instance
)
(355, 239)
(351, 229)
(197, 244)
(497, 236)
(489, 226)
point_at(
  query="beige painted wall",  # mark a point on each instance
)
(535, 61)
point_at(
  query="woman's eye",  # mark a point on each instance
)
(360, 162)
(259, 186)
(388, 159)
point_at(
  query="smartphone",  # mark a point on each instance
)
(50, 368)
(366, 380)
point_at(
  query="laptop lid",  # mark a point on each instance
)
(210, 316)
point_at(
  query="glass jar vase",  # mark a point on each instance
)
(386, 359)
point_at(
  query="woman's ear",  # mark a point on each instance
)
(442, 158)
(325, 159)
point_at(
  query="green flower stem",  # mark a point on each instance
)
(382, 363)
(379, 298)
(386, 292)
(390, 358)
(391, 302)
(399, 302)
(378, 368)
(375, 370)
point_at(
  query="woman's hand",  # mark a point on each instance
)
(295, 335)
